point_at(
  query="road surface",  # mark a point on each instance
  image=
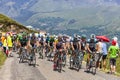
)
(13, 70)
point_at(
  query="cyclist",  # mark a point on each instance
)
(75, 56)
(52, 47)
(47, 39)
(59, 48)
(83, 43)
(33, 40)
(76, 45)
(91, 47)
(42, 45)
(23, 40)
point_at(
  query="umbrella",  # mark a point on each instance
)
(104, 38)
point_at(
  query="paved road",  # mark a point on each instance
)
(12, 70)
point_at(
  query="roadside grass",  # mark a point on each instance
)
(2, 58)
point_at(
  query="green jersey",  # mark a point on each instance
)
(113, 51)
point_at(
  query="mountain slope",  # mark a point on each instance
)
(66, 16)
(100, 17)
(7, 24)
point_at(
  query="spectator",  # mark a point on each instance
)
(5, 44)
(10, 44)
(104, 55)
(99, 47)
(113, 50)
(1, 44)
(116, 39)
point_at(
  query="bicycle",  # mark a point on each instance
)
(47, 50)
(32, 57)
(40, 51)
(92, 64)
(58, 61)
(76, 60)
(64, 58)
(23, 55)
(50, 53)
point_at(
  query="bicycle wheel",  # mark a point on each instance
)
(59, 65)
(80, 64)
(88, 66)
(34, 60)
(71, 62)
(64, 60)
(29, 60)
(21, 58)
(94, 67)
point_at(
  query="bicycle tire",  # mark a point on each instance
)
(94, 68)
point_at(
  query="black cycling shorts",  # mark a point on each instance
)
(113, 61)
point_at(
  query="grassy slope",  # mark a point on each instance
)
(6, 21)
(2, 58)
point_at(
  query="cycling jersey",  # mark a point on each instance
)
(75, 43)
(42, 41)
(92, 44)
(52, 41)
(83, 44)
(59, 45)
(33, 40)
(47, 40)
(23, 41)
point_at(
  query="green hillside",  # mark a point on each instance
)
(6, 23)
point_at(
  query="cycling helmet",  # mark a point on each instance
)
(75, 35)
(92, 36)
(79, 37)
(83, 36)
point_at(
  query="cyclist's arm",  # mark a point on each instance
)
(72, 46)
(79, 46)
(88, 48)
(64, 46)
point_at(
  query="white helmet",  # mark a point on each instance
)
(115, 38)
(92, 36)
